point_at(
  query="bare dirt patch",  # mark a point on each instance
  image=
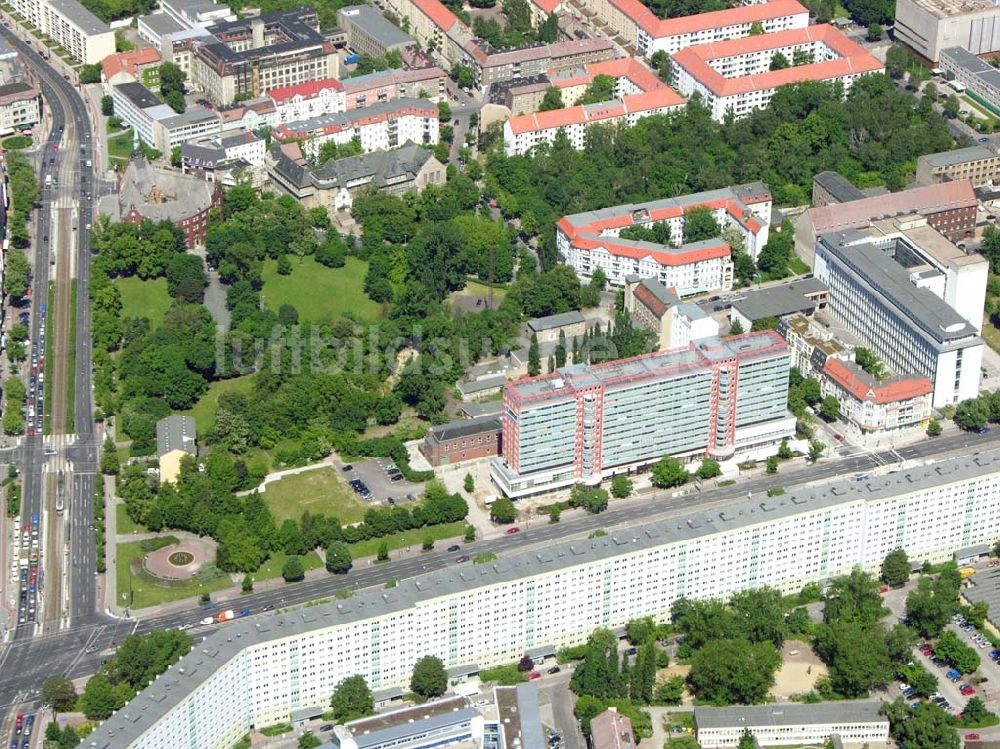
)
(798, 672)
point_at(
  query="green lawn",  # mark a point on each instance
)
(120, 148)
(71, 364)
(204, 410)
(125, 524)
(144, 590)
(798, 266)
(474, 288)
(320, 293)
(319, 491)
(991, 335)
(272, 567)
(144, 298)
(414, 537)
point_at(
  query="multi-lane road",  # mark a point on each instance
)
(61, 233)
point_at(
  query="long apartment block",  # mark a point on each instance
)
(637, 25)
(86, 37)
(584, 423)
(255, 671)
(735, 78)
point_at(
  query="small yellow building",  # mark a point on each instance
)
(175, 438)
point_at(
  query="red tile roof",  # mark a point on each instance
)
(547, 6)
(435, 10)
(307, 90)
(928, 200)
(622, 67)
(853, 59)
(671, 257)
(659, 28)
(862, 386)
(659, 99)
(129, 62)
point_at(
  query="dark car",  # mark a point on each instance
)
(347, 468)
(454, 547)
(326, 727)
(463, 558)
(554, 670)
(396, 477)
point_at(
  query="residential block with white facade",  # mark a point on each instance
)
(74, 28)
(735, 76)
(254, 672)
(378, 127)
(591, 240)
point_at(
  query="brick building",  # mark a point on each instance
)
(462, 440)
(159, 194)
(949, 207)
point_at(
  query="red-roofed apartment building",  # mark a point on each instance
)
(873, 406)
(648, 33)
(310, 99)
(588, 241)
(735, 75)
(638, 94)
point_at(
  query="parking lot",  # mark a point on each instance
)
(376, 476)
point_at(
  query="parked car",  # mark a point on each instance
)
(972, 737)
(534, 675)
(512, 531)
(554, 670)
(454, 547)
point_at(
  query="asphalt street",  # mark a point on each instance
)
(79, 650)
(73, 190)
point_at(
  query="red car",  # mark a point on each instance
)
(512, 531)
(968, 692)
(884, 589)
(27, 528)
(534, 675)
(839, 437)
(56, 148)
(972, 737)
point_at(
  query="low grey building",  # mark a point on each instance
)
(982, 80)
(856, 724)
(978, 164)
(369, 32)
(797, 297)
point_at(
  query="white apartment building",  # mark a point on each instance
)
(86, 37)
(909, 325)
(671, 35)
(871, 405)
(380, 127)
(523, 132)
(856, 723)
(308, 100)
(636, 23)
(255, 671)
(735, 77)
(591, 240)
